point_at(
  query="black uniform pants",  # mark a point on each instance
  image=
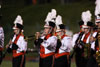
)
(92, 62)
(19, 61)
(46, 62)
(61, 61)
(1, 57)
(80, 61)
(79, 57)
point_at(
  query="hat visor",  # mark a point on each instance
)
(15, 28)
(58, 30)
(97, 21)
(46, 26)
(85, 26)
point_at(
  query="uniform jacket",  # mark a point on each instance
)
(66, 45)
(19, 45)
(47, 45)
(1, 38)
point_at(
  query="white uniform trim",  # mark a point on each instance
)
(82, 37)
(93, 45)
(75, 36)
(94, 34)
(87, 41)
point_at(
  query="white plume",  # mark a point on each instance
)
(97, 8)
(18, 20)
(53, 13)
(97, 2)
(86, 16)
(48, 18)
(59, 20)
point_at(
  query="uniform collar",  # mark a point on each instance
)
(47, 36)
(63, 36)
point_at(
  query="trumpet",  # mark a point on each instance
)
(34, 36)
(29, 37)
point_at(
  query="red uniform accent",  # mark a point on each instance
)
(97, 48)
(86, 36)
(63, 36)
(55, 34)
(15, 54)
(80, 31)
(17, 38)
(47, 36)
(61, 54)
(1, 49)
(81, 26)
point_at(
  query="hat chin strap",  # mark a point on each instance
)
(50, 31)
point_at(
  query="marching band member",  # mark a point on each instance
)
(97, 17)
(97, 12)
(1, 43)
(1, 38)
(77, 48)
(86, 16)
(82, 41)
(63, 45)
(95, 46)
(47, 42)
(18, 45)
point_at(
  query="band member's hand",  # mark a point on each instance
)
(7, 46)
(10, 42)
(37, 35)
(92, 39)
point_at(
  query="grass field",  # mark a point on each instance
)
(28, 64)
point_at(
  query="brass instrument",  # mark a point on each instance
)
(87, 47)
(87, 50)
(59, 37)
(34, 36)
(98, 51)
(29, 37)
(77, 44)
